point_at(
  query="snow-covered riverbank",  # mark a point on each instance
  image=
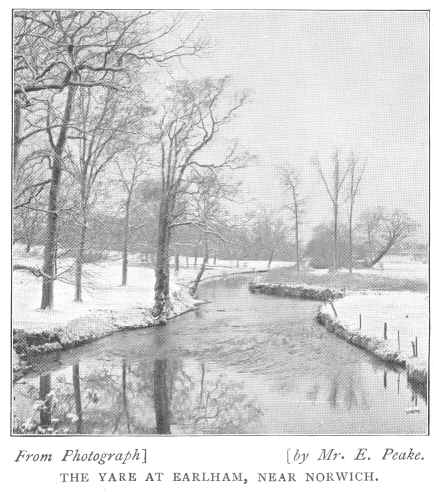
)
(106, 306)
(388, 324)
(373, 298)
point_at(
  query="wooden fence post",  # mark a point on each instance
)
(399, 342)
(385, 331)
(360, 322)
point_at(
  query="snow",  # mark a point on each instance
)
(401, 267)
(404, 312)
(106, 304)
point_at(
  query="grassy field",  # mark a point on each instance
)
(345, 280)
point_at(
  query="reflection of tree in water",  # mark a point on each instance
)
(151, 396)
(212, 406)
(343, 388)
(93, 402)
(161, 397)
(196, 405)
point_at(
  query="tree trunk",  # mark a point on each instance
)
(52, 215)
(350, 240)
(125, 242)
(124, 394)
(17, 129)
(198, 278)
(382, 253)
(161, 397)
(335, 237)
(77, 396)
(270, 258)
(177, 262)
(297, 245)
(161, 289)
(79, 261)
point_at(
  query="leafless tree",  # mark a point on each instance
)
(96, 140)
(334, 192)
(268, 234)
(291, 181)
(191, 118)
(131, 169)
(207, 213)
(57, 51)
(394, 228)
(369, 223)
(356, 172)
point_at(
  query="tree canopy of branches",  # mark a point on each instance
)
(291, 181)
(57, 52)
(334, 191)
(190, 119)
(390, 230)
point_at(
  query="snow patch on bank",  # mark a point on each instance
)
(406, 315)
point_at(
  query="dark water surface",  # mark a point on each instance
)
(243, 363)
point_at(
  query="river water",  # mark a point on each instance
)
(243, 363)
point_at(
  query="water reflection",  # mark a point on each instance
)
(169, 396)
(161, 397)
(241, 364)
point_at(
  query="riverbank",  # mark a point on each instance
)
(312, 293)
(392, 342)
(384, 311)
(107, 306)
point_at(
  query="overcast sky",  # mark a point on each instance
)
(324, 80)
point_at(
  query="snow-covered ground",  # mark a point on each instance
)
(402, 267)
(404, 312)
(104, 299)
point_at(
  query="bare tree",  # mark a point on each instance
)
(130, 177)
(394, 228)
(207, 214)
(334, 191)
(369, 223)
(191, 118)
(291, 182)
(57, 51)
(356, 172)
(268, 234)
(96, 140)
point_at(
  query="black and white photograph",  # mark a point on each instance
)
(220, 222)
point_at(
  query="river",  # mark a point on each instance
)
(242, 363)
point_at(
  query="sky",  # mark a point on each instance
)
(320, 81)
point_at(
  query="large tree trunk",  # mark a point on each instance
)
(161, 397)
(52, 215)
(125, 242)
(201, 271)
(17, 129)
(161, 289)
(79, 261)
